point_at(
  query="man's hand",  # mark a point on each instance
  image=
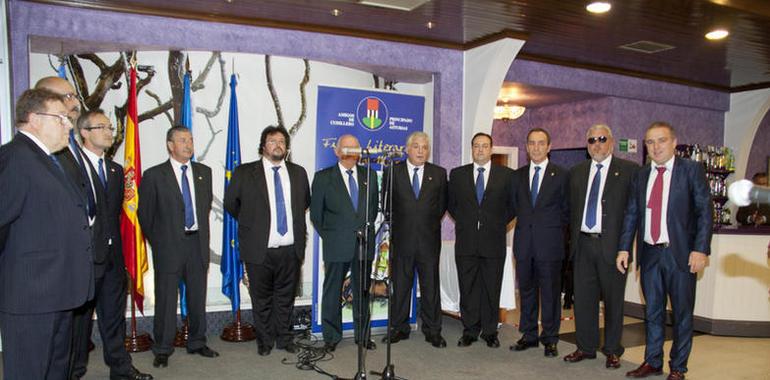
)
(697, 261)
(621, 261)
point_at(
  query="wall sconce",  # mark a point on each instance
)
(509, 112)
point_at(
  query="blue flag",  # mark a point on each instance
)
(232, 267)
(187, 122)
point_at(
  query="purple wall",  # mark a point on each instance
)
(567, 123)
(760, 149)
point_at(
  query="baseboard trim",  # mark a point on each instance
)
(754, 329)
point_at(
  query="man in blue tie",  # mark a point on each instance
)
(174, 205)
(540, 201)
(599, 190)
(269, 198)
(339, 211)
(479, 202)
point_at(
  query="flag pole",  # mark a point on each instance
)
(135, 342)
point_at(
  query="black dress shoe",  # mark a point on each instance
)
(492, 341)
(395, 337)
(578, 356)
(370, 345)
(551, 351)
(330, 347)
(437, 340)
(522, 345)
(204, 351)
(161, 361)
(263, 350)
(466, 340)
(133, 374)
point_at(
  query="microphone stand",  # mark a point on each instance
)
(363, 246)
(389, 372)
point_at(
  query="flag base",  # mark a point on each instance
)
(137, 342)
(238, 331)
(182, 334)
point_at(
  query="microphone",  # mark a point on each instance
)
(744, 192)
(370, 151)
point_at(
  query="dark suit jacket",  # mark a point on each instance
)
(161, 214)
(246, 199)
(480, 229)
(417, 221)
(613, 200)
(45, 258)
(688, 219)
(541, 227)
(115, 189)
(333, 216)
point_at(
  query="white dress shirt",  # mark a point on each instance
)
(597, 229)
(275, 239)
(542, 166)
(664, 204)
(344, 172)
(420, 172)
(486, 167)
(177, 166)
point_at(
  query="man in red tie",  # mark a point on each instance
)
(669, 210)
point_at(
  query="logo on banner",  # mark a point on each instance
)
(372, 113)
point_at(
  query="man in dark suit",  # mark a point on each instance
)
(339, 210)
(540, 200)
(269, 198)
(479, 202)
(43, 279)
(598, 195)
(105, 177)
(174, 205)
(419, 200)
(669, 211)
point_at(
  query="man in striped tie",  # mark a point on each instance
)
(669, 211)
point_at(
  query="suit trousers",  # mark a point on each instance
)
(596, 280)
(110, 305)
(193, 272)
(272, 287)
(663, 278)
(427, 266)
(480, 280)
(331, 303)
(539, 288)
(36, 346)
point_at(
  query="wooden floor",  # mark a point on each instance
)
(713, 357)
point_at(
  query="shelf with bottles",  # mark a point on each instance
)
(719, 162)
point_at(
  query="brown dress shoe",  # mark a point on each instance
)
(578, 356)
(613, 361)
(645, 370)
(675, 375)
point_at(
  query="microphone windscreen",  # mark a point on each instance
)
(738, 192)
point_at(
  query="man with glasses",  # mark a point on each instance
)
(44, 278)
(479, 203)
(540, 200)
(598, 194)
(106, 180)
(269, 198)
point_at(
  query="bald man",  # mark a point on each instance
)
(338, 209)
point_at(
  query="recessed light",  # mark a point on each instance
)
(336, 12)
(599, 7)
(430, 25)
(717, 34)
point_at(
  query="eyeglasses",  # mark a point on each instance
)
(63, 119)
(594, 140)
(101, 126)
(70, 96)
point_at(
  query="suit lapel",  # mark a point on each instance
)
(261, 181)
(583, 178)
(339, 183)
(51, 166)
(362, 187)
(675, 187)
(403, 173)
(171, 182)
(644, 177)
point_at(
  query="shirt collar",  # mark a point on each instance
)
(412, 167)
(542, 165)
(178, 165)
(36, 141)
(605, 163)
(668, 164)
(486, 166)
(344, 170)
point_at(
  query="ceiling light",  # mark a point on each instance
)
(599, 7)
(717, 34)
(336, 12)
(509, 112)
(430, 25)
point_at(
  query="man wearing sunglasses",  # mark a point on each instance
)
(598, 195)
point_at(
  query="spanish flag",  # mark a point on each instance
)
(134, 250)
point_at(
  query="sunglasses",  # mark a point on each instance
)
(594, 140)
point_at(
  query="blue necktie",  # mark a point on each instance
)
(593, 197)
(480, 185)
(353, 188)
(280, 204)
(102, 176)
(91, 206)
(56, 162)
(189, 218)
(416, 183)
(535, 185)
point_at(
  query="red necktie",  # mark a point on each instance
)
(655, 204)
